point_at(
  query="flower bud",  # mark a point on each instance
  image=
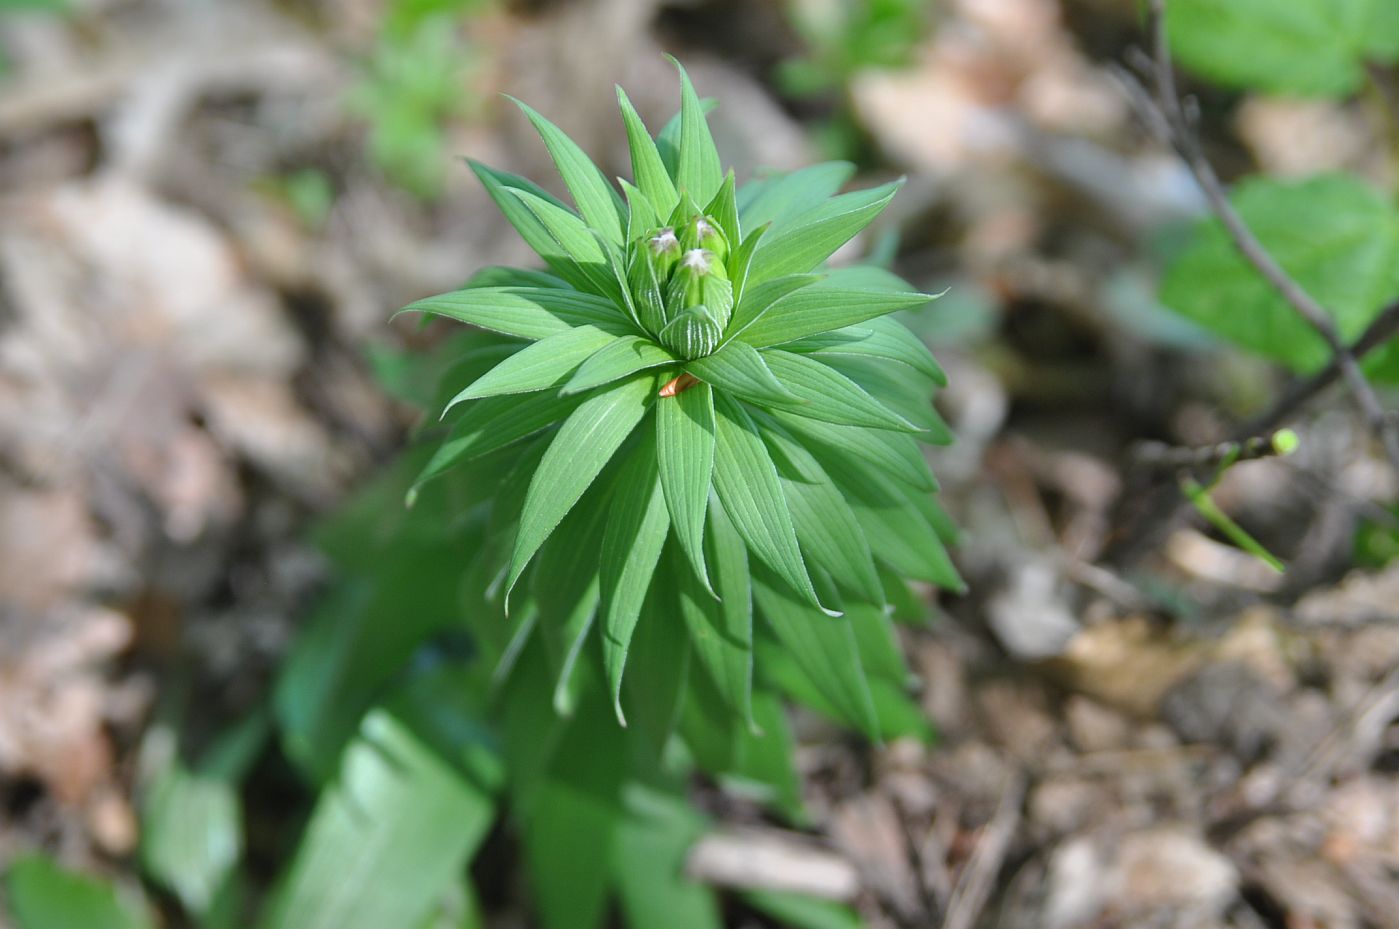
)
(692, 334)
(700, 280)
(664, 249)
(647, 290)
(704, 232)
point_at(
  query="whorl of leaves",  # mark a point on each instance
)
(687, 423)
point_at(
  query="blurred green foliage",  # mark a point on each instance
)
(415, 82)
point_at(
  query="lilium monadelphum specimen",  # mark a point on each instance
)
(690, 424)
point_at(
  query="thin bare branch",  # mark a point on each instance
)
(1169, 114)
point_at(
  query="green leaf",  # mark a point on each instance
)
(724, 209)
(799, 912)
(191, 833)
(766, 759)
(828, 532)
(623, 356)
(739, 369)
(526, 313)
(493, 423)
(649, 861)
(779, 199)
(648, 170)
(685, 453)
(501, 276)
(1308, 47)
(741, 261)
(578, 241)
(45, 896)
(896, 455)
(883, 338)
(642, 213)
(698, 171)
(503, 187)
(584, 444)
(751, 494)
(597, 201)
(659, 674)
(758, 299)
(903, 393)
(1337, 237)
(721, 630)
(566, 586)
(829, 395)
(809, 239)
(387, 838)
(825, 648)
(636, 533)
(899, 533)
(817, 309)
(546, 363)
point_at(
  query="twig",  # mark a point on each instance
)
(978, 877)
(1169, 117)
(1296, 394)
(770, 859)
(1165, 457)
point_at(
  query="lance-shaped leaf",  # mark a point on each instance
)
(685, 456)
(721, 630)
(724, 209)
(648, 170)
(739, 369)
(636, 532)
(584, 444)
(777, 200)
(623, 356)
(883, 338)
(642, 214)
(501, 276)
(597, 201)
(910, 396)
(826, 528)
(579, 242)
(811, 238)
(741, 261)
(829, 395)
(493, 423)
(824, 648)
(698, 171)
(895, 454)
(524, 312)
(751, 493)
(566, 586)
(898, 532)
(759, 298)
(547, 363)
(658, 678)
(503, 187)
(818, 309)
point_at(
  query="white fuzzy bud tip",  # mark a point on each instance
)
(664, 241)
(697, 259)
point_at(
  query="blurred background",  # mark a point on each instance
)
(210, 208)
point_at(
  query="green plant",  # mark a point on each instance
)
(695, 478)
(416, 80)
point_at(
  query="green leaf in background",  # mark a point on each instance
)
(649, 861)
(388, 839)
(44, 896)
(825, 648)
(1337, 237)
(1310, 47)
(798, 912)
(721, 630)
